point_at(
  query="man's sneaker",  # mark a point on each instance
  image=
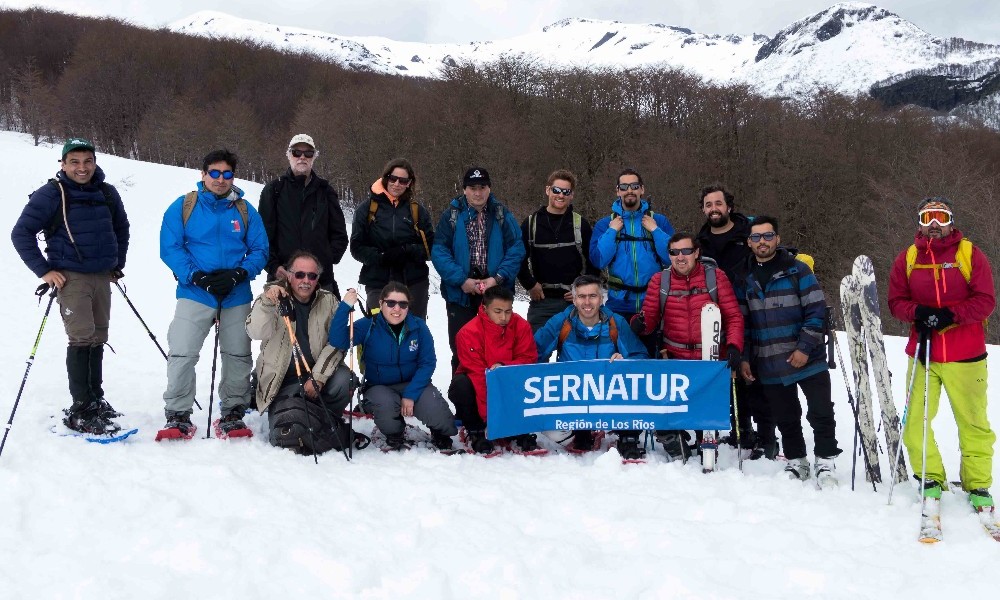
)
(932, 489)
(396, 441)
(478, 442)
(981, 499)
(233, 420)
(674, 445)
(797, 469)
(629, 448)
(826, 472)
(527, 442)
(441, 441)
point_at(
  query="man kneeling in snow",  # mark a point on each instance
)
(497, 336)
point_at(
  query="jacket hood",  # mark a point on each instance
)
(93, 184)
(741, 223)
(206, 194)
(489, 325)
(925, 243)
(617, 207)
(600, 329)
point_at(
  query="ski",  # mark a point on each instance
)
(930, 521)
(850, 302)
(222, 434)
(711, 339)
(864, 273)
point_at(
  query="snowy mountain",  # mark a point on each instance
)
(847, 47)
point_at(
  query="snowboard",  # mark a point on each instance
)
(711, 339)
(850, 302)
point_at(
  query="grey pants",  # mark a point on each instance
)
(431, 409)
(336, 392)
(186, 337)
(85, 307)
(419, 293)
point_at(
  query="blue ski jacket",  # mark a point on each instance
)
(587, 344)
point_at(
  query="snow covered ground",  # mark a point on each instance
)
(244, 520)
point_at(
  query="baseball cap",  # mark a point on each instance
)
(302, 139)
(77, 144)
(476, 176)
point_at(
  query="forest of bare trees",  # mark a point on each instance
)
(844, 175)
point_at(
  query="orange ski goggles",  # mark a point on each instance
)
(931, 215)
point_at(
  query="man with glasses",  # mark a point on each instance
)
(301, 211)
(630, 245)
(785, 318)
(214, 242)
(477, 245)
(557, 241)
(943, 285)
(280, 386)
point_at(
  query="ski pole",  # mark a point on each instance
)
(40, 291)
(857, 426)
(146, 327)
(350, 359)
(736, 415)
(927, 385)
(906, 410)
(215, 358)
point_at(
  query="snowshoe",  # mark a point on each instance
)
(674, 445)
(231, 425)
(630, 449)
(441, 441)
(178, 427)
(90, 421)
(586, 440)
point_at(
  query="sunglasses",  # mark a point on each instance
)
(215, 173)
(679, 251)
(400, 180)
(403, 304)
(558, 191)
(769, 236)
(305, 275)
(942, 217)
(622, 187)
(305, 153)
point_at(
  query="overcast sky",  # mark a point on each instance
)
(471, 20)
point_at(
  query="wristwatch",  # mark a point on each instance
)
(499, 279)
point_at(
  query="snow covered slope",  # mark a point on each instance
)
(243, 520)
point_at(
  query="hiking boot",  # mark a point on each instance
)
(104, 409)
(478, 442)
(932, 489)
(233, 420)
(769, 448)
(797, 469)
(396, 441)
(981, 499)
(629, 448)
(583, 441)
(674, 445)
(826, 472)
(87, 419)
(441, 441)
(179, 421)
(527, 442)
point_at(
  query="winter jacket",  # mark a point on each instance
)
(970, 301)
(682, 312)
(733, 249)
(555, 268)
(631, 261)
(100, 230)
(214, 238)
(304, 216)
(780, 316)
(266, 325)
(588, 344)
(450, 253)
(392, 228)
(389, 360)
(481, 343)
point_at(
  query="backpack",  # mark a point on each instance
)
(191, 198)
(498, 210)
(963, 258)
(292, 417)
(577, 241)
(414, 214)
(567, 328)
(710, 284)
(613, 280)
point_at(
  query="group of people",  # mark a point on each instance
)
(627, 287)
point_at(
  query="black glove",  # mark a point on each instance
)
(734, 358)
(940, 319)
(638, 323)
(202, 280)
(394, 255)
(117, 274)
(285, 308)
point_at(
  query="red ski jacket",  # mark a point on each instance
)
(970, 301)
(682, 313)
(481, 344)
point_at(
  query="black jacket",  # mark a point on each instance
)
(303, 217)
(554, 266)
(729, 249)
(392, 228)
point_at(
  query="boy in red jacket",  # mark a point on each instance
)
(497, 336)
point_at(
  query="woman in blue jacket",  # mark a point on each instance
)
(398, 361)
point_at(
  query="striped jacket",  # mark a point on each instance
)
(784, 314)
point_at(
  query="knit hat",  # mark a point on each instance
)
(936, 202)
(77, 144)
(476, 176)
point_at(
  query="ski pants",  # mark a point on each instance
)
(431, 409)
(85, 307)
(191, 325)
(786, 411)
(965, 383)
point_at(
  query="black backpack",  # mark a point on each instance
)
(291, 418)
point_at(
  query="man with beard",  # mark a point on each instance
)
(301, 211)
(723, 238)
(947, 307)
(784, 312)
(630, 245)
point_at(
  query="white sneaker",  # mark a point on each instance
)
(797, 469)
(826, 473)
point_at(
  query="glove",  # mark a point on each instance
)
(734, 358)
(285, 308)
(940, 319)
(394, 255)
(638, 323)
(202, 280)
(117, 274)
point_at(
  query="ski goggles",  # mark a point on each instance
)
(931, 215)
(768, 236)
(215, 174)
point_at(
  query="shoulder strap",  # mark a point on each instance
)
(711, 278)
(191, 198)
(613, 333)
(415, 216)
(578, 239)
(453, 218)
(372, 209)
(963, 260)
(567, 328)
(59, 219)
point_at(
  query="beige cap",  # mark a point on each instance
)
(302, 139)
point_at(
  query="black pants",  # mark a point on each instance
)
(462, 394)
(753, 407)
(783, 402)
(458, 316)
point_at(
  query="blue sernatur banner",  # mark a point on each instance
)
(600, 394)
